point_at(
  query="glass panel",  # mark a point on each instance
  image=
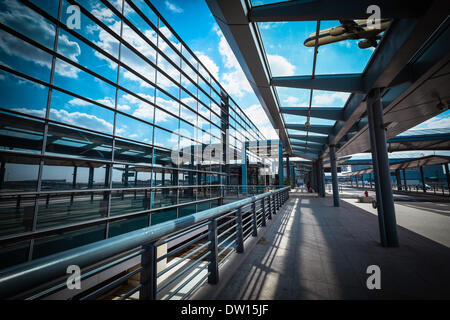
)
(25, 58)
(164, 198)
(70, 110)
(133, 129)
(68, 208)
(186, 195)
(63, 175)
(13, 254)
(20, 134)
(50, 245)
(163, 216)
(133, 152)
(128, 225)
(123, 202)
(78, 143)
(16, 214)
(185, 211)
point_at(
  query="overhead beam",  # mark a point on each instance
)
(352, 83)
(311, 147)
(303, 143)
(306, 155)
(316, 128)
(309, 137)
(334, 10)
(329, 113)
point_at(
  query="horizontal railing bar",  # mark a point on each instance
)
(227, 215)
(199, 283)
(190, 254)
(226, 231)
(226, 239)
(131, 292)
(183, 271)
(160, 243)
(188, 280)
(22, 277)
(226, 256)
(112, 284)
(88, 274)
(229, 246)
(194, 240)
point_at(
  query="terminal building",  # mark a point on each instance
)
(122, 154)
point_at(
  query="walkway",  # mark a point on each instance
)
(316, 251)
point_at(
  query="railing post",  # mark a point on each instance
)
(148, 273)
(254, 221)
(213, 267)
(269, 204)
(239, 232)
(263, 205)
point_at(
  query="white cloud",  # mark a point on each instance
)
(36, 27)
(280, 65)
(291, 101)
(259, 118)
(234, 80)
(337, 98)
(172, 7)
(435, 123)
(210, 65)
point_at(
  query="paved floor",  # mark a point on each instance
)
(315, 251)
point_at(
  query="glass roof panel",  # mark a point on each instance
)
(341, 57)
(283, 43)
(322, 98)
(292, 97)
(263, 2)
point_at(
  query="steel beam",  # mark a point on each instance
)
(343, 83)
(312, 145)
(329, 113)
(316, 128)
(301, 10)
(318, 139)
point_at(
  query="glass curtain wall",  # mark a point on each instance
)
(91, 109)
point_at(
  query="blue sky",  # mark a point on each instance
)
(283, 43)
(193, 21)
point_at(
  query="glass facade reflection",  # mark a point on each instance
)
(89, 117)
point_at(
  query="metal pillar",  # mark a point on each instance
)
(422, 177)
(404, 180)
(334, 178)
(447, 173)
(244, 168)
(399, 181)
(320, 179)
(380, 160)
(280, 165)
(288, 171)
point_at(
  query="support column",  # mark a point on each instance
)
(334, 178)
(422, 177)
(404, 180)
(244, 168)
(320, 179)
(398, 179)
(280, 165)
(288, 171)
(447, 173)
(380, 160)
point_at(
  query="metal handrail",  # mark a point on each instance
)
(26, 276)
